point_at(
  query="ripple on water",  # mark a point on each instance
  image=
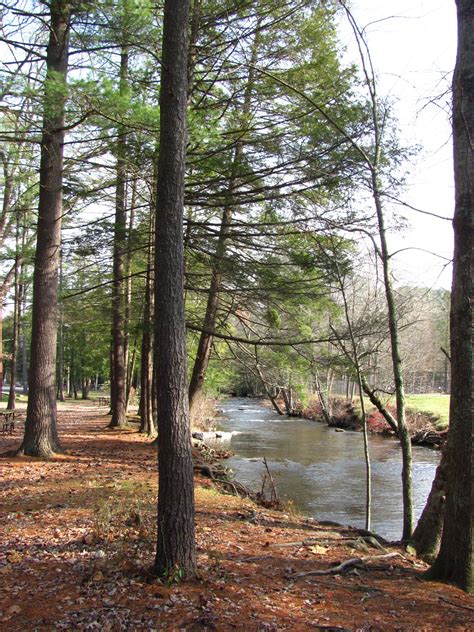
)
(324, 471)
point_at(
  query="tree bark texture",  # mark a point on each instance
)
(147, 423)
(455, 559)
(427, 535)
(119, 287)
(175, 552)
(60, 380)
(41, 437)
(16, 325)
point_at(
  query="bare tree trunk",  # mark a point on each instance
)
(427, 535)
(389, 418)
(85, 387)
(16, 320)
(455, 561)
(129, 362)
(61, 338)
(41, 436)
(403, 433)
(267, 390)
(2, 364)
(288, 399)
(68, 379)
(118, 392)
(24, 363)
(131, 375)
(146, 413)
(72, 374)
(323, 400)
(21, 325)
(147, 423)
(175, 551)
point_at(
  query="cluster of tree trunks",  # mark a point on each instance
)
(165, 376)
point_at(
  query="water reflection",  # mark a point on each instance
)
(322, 470)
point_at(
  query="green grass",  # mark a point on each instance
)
(19, 398)
(434, 404)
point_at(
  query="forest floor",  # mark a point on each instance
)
(78, 532)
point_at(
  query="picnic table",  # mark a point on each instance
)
(103, 401)
(8, 421)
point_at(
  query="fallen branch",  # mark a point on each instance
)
(274, 496)
(456, 605)
(347, 565)
(252, 558)
(307, 542)
(367, 542)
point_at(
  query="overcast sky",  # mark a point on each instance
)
(413, 47)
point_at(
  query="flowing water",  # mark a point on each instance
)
(321, 470)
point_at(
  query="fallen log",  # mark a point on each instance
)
(355, 562)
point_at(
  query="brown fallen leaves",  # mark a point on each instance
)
(77, 538)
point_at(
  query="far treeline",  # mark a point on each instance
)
(205, 184)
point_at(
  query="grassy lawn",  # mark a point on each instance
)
(435, 404)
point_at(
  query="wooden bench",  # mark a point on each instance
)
(8, 421)
(103, 401)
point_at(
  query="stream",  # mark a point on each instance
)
(323, 471)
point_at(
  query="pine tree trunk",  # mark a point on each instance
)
(72, 375)
(41, 436)
(146, 373)
(60, 393)
(129, 358)
(2, 375)
(16, 322)
(455, 560)
(24, 363)
(119, 394)
(175, 552)
(85, 387)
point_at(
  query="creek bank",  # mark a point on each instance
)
(346, 417)
(207, 462)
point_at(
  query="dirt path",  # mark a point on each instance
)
(77, 535)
